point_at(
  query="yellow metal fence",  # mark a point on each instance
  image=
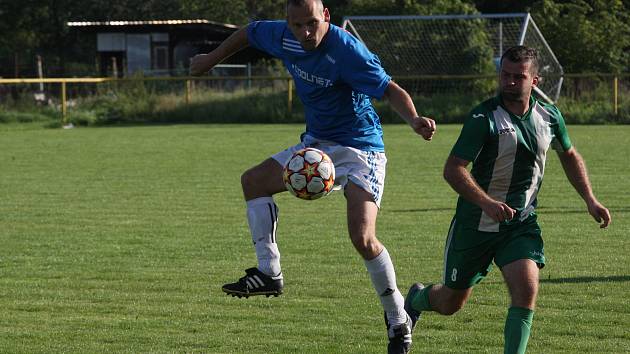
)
(188, 80)
(573, 81)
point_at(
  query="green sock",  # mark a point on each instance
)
(517, 327)
(420, 302)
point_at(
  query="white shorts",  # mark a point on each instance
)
(366, 169)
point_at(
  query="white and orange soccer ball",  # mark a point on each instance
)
(309, 174)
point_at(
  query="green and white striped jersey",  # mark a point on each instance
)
(508, 154)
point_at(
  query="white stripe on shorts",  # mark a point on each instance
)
(449, 238)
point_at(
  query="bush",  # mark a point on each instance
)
(10, 116)
(138, 102)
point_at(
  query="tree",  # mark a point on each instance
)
(586, 36)
(504, 6)
(18, 38)
(239, 12)
(400, 7)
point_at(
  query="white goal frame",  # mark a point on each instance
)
(529, 35)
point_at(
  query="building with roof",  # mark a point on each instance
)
(159, 47)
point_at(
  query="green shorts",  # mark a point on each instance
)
(469, 253)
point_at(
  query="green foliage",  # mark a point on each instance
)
(589, 101)
(136, 103)
(587, 36)
(23, 117)
(451, 108)
(404, 7)
(25, 109)
(597, 112)
(215, 10)
(263, 106)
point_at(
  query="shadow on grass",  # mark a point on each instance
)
(543, 210)
(573, 280)
(420, 210)
(547, 210)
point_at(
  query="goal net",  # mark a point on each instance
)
(454, 53)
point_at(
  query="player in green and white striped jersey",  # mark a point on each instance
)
(506, 138)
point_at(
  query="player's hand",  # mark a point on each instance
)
(200, 64)
(599, 213)
(498, 211)
(423, 126)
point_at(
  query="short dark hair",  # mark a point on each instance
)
(521, 53)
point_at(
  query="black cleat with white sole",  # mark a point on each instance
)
(255, 283)
(399, 337)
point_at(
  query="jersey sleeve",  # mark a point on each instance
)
(266, 36)
(472, 137)
(363, 71)
(560, 141)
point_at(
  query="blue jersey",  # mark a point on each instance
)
(335, 82)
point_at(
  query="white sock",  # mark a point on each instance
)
(262, 216)
(381, 271)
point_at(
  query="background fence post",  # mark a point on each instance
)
(187, 91)
(63, 104)
(249, 76)
(616, 96)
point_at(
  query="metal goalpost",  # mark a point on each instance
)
(455, 45)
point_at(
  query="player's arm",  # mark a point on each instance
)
(202, 63)
(575, 169)
(401, 102)
(456, 174)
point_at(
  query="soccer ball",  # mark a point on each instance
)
(309, 174)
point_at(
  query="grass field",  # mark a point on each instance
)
(119, 239)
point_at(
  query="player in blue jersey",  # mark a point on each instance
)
(506, 138)
(335, 77)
